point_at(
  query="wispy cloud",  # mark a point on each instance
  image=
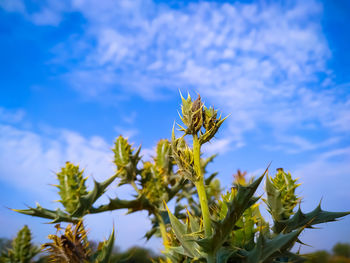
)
(266, 63)
(219, 146)
(296, 144)
(327, 166)
(49, 13)
(28, 160)
(11, 116)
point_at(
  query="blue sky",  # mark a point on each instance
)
(76, 74)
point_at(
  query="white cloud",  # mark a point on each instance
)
(28, 160)
(11, 116)
(294, 144)
(50, 13)
(218, 146)
(264, 63)
(327, 166)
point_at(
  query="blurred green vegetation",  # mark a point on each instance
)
(340, 254)
(5, 244)
(132, 255)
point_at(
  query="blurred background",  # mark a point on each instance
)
(76, 74)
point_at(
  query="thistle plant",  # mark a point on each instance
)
(22, 251)
(232, 229)
(205, 225)
(153, 182)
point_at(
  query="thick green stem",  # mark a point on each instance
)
(200, 186)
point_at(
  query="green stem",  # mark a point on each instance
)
(200, 186)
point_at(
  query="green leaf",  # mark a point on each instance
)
(105, 251)
(265, 248)
(299, 219)
(56, 216)
(235, 208)
(194, 225)
(89, 199)
(140, 203)
(224, 254)
(180, 230)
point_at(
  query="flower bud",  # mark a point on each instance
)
(126, 159)
(209, 118)
(71, 186)
(183, 156)
(197, 115)
(192, 114)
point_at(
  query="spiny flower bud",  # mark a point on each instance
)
(209, 117)
(211, 124)
(183, 157)
(163, 160)
(72, 246)
(22, 249)
(122, 151)
(192, 114)
(126, 159)
(197, 115)
(281, 197)
(152, 183)
(71, 186)
(287, 186)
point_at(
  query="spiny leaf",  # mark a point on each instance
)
(265, 248)
(89, 199)
(140, 203)
(180, 230)
(105, 250)
(56, 216)
(299, 219)
(194, 225)
(235, 208)
(224, 254)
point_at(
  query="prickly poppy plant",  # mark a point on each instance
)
(205, 224)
